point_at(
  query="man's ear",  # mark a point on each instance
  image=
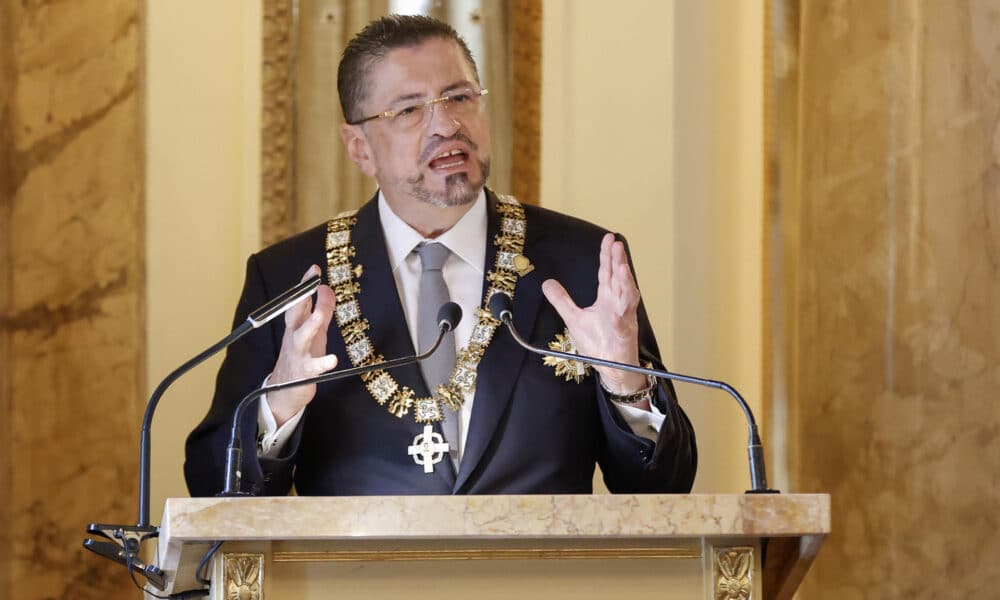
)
(358, 149)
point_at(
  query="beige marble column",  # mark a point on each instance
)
(894, 318)
(71, 280)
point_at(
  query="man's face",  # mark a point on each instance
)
(443, 161)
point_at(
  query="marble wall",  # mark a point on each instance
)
(71, 282)
(895, 320)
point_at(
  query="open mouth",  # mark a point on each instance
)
(451, 159)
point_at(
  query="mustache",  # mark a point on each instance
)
(432, 148)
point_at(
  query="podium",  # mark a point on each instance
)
(717, 547)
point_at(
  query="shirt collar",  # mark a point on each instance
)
(466, 239)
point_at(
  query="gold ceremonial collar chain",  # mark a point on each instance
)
(342, 274)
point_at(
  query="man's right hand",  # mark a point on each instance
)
(303, 351)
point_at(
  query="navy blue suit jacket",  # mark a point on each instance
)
(530, 431)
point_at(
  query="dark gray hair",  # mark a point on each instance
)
(374, 42)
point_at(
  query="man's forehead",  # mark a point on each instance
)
(427, 67)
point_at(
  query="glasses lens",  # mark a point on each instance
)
(410, 116)
(463, 102)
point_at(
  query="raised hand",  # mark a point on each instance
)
(303, 351)
(609, 327)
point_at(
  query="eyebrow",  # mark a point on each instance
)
(458, 84)
(405, 98)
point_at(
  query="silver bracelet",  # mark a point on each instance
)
(635, 397)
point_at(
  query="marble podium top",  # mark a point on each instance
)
(541, 516)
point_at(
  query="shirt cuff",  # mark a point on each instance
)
(643, 423)
(271, 439)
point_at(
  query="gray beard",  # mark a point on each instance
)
(458, 190)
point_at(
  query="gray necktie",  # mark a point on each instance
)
(438, 367)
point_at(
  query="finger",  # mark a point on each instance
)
(326, 304)
(629, 290)
(312, 271)
(626, 304)
(604, 269)
(560, 299)
(296, 315)
(317, 366)
(303, 337)
(623, 283)
(326, 300)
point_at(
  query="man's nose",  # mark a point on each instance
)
(440, 121)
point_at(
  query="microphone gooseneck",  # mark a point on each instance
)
(501, 307)
(262, 315)
(449, 316)
(127, 539)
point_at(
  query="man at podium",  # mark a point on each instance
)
(482, 415)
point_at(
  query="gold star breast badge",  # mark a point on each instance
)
(572, 370)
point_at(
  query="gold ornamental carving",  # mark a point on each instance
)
(734, 573)
(277, 121)
(243, 577)
(404, 555)
(526, 58)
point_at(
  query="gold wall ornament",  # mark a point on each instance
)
(277, 120)
(243, 577)
(526, 54)
(733, 573)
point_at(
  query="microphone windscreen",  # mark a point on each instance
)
(499, 304)
(449, 315)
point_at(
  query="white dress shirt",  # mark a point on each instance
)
(463, 273)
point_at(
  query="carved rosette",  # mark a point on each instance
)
(734, 573)
(243, 577)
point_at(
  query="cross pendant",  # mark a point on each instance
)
(428, 448)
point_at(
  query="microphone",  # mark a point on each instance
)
(131, 537)
(501, 307)
(283, 302)
(449, 316)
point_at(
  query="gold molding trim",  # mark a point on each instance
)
(526, 64)
(781, 123)
(243, 576)
(480, 554)
(732, 575)
(277, 120)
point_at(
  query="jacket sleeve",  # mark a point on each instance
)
(246, 364)
(633, 464)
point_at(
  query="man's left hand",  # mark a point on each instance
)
(608, 328)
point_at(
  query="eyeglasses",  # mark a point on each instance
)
(460, 103)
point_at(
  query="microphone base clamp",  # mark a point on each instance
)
(123, 548)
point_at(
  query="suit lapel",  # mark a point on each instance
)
(380, 304)
(498, 370)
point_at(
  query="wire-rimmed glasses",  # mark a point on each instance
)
(462, 102)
